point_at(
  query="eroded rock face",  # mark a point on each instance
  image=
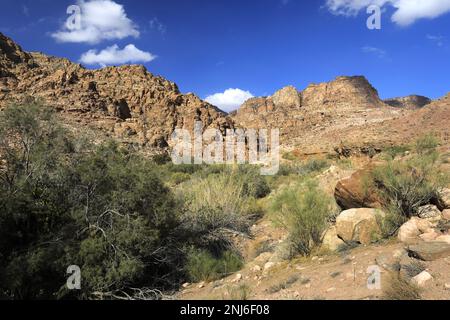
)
(126, 102)
(313, 120)
(359, 225)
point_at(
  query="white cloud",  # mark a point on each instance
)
(230, 99)
(100, 20)
(380, 53)
(438, 40)
(155, 24)
(407, 11)
(114, 56)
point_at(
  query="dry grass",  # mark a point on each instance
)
(398, 288)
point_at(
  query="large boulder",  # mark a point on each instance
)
(430, 251)
(411, 230)
(357, 192)
(359, 225)
(331, 241)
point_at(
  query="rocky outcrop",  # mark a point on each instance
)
(313, 120)
(409, 102)
(128, 102)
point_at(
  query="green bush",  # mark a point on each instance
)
(303, 210)
(216, 208)
(254, 184)
(203, 266)
(395, 151)
(315, 165)
(101, 208)
(426, 144)
(407, 185)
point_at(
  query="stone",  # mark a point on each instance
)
(447, 286)
(446, 214)
(331, 241)
(256, 268)
(443, 238)
(422, 279)
(429, 211)
(201, 285)
(411, 230)
(430, 236)
(387, 261)
(358, 225)
(186, 285)
(237, 278)
(354, 192)
(430, 251)
(443, 201)
(268, 266)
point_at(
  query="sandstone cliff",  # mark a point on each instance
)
(127, 102)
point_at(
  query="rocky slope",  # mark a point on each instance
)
(127, 102)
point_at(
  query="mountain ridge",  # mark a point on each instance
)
(131, 104)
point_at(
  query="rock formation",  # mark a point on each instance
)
(138, 108)
(409, 102)
(127, 102)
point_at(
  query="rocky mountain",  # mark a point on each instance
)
(324, 117)
(138, 108)
(409, 102)
(127, 102)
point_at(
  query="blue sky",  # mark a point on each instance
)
(256, 46)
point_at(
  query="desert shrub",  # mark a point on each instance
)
(391, 222)
(216, 208)
(238, 293)
(287, 170)
(303, 210)
(290, 156)
(283, 285)
(426, 144)
(398, 288)
(407, 185)
(178, 178)
(314, 165)
(254, 184)
(414, 268)
(395, 151)
(161, 159)
(101, 208)
(203, 266)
